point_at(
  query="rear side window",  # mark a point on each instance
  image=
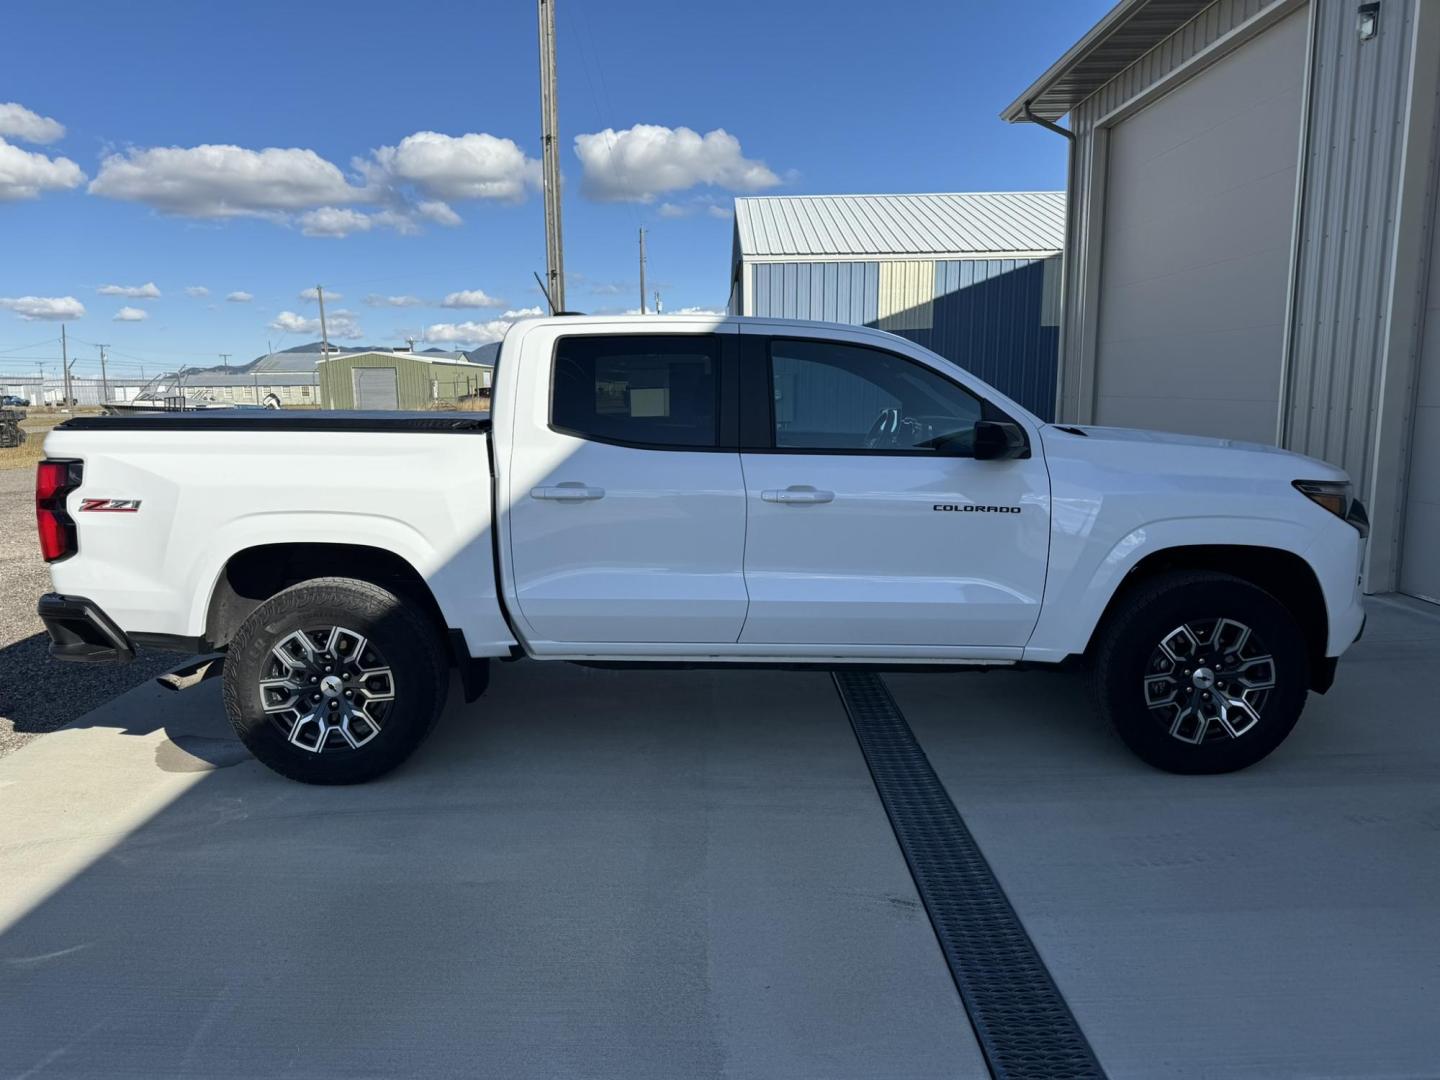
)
(646, 390)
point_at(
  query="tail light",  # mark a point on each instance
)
(54, 481)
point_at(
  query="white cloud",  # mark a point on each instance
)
(472, 166)
(725, 212)
(471, 298)
(196, 290)
(47, 308)
(334, 221)
(476, 333)
(148, 291)
(438, 212)
(646, 160)
(20, 123)
(312, 294)
(339, 325)
(131, 314)
(239, 297)
(217, 181)
(673, 210)
(376, 300)
(24, 174)
(696, 311)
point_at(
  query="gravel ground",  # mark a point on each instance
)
(38, 694)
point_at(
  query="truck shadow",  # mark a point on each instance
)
(38, 694)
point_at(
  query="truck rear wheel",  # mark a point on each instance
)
(1201, 672)
(334, 681)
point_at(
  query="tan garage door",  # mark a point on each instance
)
(1196, 247)
(1420, 556)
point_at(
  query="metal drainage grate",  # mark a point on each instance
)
(1023, 1025)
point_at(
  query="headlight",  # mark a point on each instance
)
(1333, 495)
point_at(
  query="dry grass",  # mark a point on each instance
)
(36, 425)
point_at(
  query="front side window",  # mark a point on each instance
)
(830, 396)
(644, 390)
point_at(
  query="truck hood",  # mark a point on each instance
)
(1163, 451)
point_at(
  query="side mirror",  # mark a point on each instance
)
(997, 440)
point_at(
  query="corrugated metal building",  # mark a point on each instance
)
(973, 276)
(398, 380)
(1251, 239)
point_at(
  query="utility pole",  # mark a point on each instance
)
(324, 336)
(657, 301)
(225, 360)
(104, 380)
(642, 271)
(550, 159)
(65, 364)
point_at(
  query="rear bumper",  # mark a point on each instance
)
(80, 631)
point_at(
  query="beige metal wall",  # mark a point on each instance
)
(1365, 192)
(1199, 205)
(1188, 46)
(1419, 569)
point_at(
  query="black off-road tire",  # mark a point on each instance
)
(403, 637)
(1127, 653)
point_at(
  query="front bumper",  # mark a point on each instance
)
(80, 631)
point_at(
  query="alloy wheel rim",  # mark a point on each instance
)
(1209, 680)
(327, 689)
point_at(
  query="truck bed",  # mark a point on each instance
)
(281, 420)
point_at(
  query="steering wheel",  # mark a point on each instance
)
(885, 424)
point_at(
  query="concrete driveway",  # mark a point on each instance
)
(688, 874)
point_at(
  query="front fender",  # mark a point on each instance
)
(1086, 571)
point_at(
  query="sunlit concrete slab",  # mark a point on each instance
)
(588, 873)
(1277, 922)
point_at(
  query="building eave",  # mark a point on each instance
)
(1127, 32)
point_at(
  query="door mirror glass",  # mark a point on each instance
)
(996, 440)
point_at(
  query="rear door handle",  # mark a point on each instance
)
(798, 495)
(569, 491)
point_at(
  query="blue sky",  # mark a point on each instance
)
(811, 97)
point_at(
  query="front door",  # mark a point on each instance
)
(627, 512)
(868, 521)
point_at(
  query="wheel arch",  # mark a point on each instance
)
(252, 575)
(1283, 574)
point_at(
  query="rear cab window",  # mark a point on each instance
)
(653, 391)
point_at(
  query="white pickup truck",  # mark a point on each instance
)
(699, 490)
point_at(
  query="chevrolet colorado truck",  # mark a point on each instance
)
(699, 491)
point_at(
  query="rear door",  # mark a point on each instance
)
(627, 508)
(866, 527)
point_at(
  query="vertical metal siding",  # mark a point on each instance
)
(419, 383)
(1357, 116)
(1194, 37)
(987, 315)
(845, 292)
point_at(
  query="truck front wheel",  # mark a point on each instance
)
(334, 681)
(1201, 672)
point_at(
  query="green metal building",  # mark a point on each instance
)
(399, 380)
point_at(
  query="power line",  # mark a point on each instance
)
(32, 345)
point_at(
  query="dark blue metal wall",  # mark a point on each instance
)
(988, 315)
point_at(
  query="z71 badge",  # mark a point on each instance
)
(109, 506)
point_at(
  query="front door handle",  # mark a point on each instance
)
(569, 491)
(798, 495)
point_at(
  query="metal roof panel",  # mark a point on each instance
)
(897, 225)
